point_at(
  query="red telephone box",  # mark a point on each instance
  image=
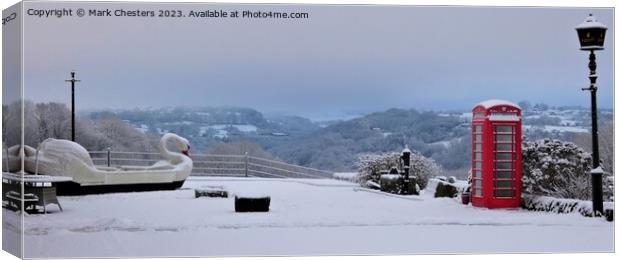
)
(496, 155)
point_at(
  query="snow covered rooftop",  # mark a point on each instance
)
(496, 102)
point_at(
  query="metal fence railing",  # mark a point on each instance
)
(215, 165)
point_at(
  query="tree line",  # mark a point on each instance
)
(53, 120)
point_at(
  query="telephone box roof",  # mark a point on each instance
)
(496, 102)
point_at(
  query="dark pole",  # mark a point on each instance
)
(72, 80)
(406, 157)
(596, 174)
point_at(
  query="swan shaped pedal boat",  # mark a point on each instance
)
(65, 158)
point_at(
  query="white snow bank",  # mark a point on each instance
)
(306, 217)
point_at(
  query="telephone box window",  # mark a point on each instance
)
(504, 138)
(477, 165)
(503, 156)
(502, 175)
(503, 147)
(504, 129)
(503, 165)
(504, 193)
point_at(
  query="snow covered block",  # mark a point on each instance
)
(609, 214)
(445, 189)
(214, 192)
(391, 183)
(252, 203)
(395, 183)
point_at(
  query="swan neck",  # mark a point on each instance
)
(163, 149)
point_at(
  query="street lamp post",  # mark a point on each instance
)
(72, 80)
(591, 38)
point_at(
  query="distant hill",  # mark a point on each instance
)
(336, 145)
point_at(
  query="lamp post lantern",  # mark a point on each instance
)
(72, 80)
(591, 35)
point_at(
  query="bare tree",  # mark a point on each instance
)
(240, 148)
(606, 145)
(11, 123)
(32, 136)
(121, 136)
(52, 120)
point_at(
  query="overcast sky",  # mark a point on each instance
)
(343, 59)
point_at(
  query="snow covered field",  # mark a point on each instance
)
(307, 217)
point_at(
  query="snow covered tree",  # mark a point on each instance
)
(556, 168)
(423, 168)
(370, 167)
(608, 187)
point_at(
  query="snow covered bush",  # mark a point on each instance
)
(608, 187)
(558, 169)
(560, 206)
(370, 167)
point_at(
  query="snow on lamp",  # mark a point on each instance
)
(591, 34)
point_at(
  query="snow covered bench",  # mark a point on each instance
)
(40, 197)
(39, 190)
(14, 199)
(211, 191)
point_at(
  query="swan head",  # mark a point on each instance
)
(186, 152)
(180, 143)
(183, 145)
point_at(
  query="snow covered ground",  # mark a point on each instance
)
(307, 217)
(346, 176)
(222, 132)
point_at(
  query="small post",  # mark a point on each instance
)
(246, 164)
(109, 152)
(406, 157)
